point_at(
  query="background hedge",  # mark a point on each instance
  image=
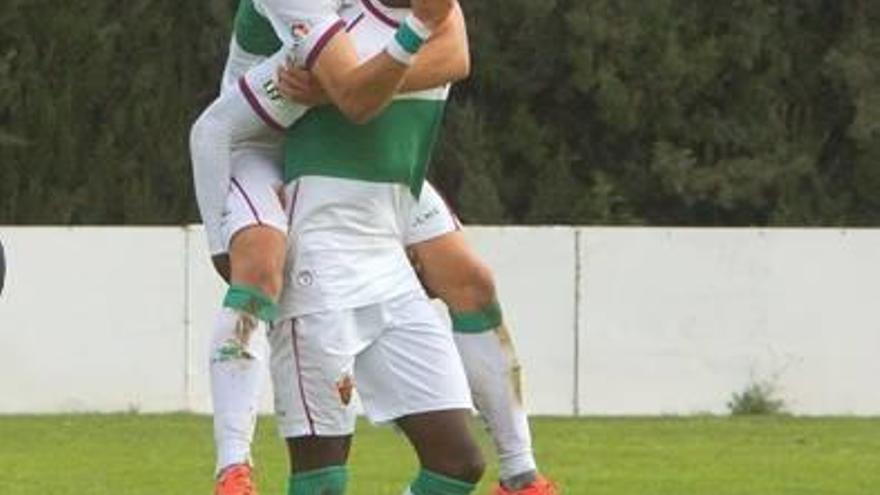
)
(661, 112)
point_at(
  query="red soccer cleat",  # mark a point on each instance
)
(235, 480)
(541, 486)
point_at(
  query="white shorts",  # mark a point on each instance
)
(431, 218)
(397, 355)
(253, 198)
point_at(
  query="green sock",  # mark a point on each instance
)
(428, 483)
(326, 481)
(483, 320)
(252, 301)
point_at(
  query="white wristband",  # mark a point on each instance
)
(399, 53)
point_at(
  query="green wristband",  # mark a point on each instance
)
(408, 39)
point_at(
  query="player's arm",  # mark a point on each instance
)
(444, 59)
(361, 91)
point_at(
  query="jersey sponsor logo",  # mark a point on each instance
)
(425, 217)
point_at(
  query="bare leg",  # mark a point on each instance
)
(451, 270)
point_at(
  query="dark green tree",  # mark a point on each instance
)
(668, 112)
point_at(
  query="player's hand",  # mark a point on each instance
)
(300, 86)
(432, 13)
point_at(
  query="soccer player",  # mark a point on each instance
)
(451, 271)
(353, 311)
(253, 223)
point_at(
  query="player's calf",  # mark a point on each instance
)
(239, 351)
(450, 270)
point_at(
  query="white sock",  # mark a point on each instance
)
(494, 376)
(237, 376)
(228, 121)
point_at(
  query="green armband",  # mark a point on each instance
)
(408, 40)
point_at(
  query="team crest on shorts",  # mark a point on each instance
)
(345, 387)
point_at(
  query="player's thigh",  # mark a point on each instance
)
(312, 376)
(318, 452)
(255, 222)
(413, 366)
(450, 269)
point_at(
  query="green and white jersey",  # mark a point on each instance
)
(253, 40)
(353, 188)
(262, 28)
(393, 147)
(253, 32)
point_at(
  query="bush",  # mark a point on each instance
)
(756, 399)
(679, 112)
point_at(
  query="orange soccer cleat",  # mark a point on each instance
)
(541, 486)
(235, 480)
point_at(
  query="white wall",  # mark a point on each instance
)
(607, 321)
(674, 321)
(93, 320)
(536, 284)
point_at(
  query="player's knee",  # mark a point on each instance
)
(461, 460)
(257, 258)
(467, 465)
(263, 273)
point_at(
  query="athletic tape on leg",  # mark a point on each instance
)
(486, 319)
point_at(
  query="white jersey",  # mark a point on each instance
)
(345, 245)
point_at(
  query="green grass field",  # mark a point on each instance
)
(171, 455)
